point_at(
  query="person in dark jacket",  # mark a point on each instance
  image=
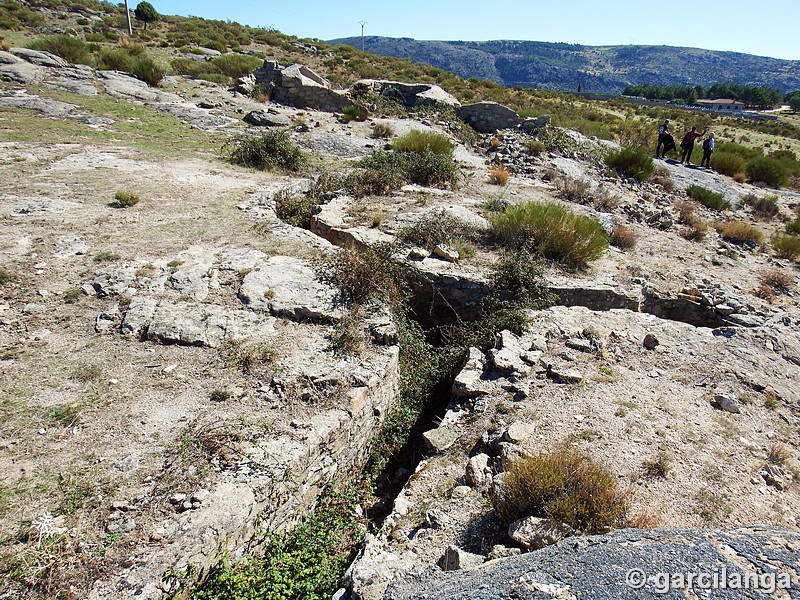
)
(708, 148)
(665, 140)
(688, 144)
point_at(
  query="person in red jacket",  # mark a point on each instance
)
(688, 144)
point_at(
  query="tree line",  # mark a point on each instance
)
(754, 97)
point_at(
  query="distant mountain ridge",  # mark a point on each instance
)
(605, 69)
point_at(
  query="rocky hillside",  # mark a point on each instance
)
(196, 343)
(606, 69)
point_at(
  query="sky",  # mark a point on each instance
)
(760, 28)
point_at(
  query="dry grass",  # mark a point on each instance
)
(763, 207)
(777, 280)
(499, 175)
(643, 519)
(696, 232)
(778, 454)
(564, 485)
(740, 177)
(623, 237)
(740, 232)
(382, 131)
(665, 182)
(658, 467)
(573, 189)
(686, 211)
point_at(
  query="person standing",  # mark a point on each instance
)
(688, 144)
(663, 139)
(708, 148)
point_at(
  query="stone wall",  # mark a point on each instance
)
(297, 85)
(277, 479)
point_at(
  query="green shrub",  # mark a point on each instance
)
(373, 181)
(519, 278)
(270, 150)
(553, 231)
(786, 246)
(294, 210)
(215, 78)
(727, 163)
(115, 59)
(631, 162)
(709, 199)
(745, 152)
(565, 486)
(396, 169)
(424, 142)
(5, 276)
(235, 65)
(793, 227)
(354, 113)
(146, 69)
(371, 273)
(67, 47)
(305, 563)
(534, 147)
(768, 171)
(125, 199)
(220, 395)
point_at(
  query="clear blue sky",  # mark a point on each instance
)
(761, 28)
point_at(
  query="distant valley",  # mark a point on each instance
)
(605, 69)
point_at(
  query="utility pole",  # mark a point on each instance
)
(128, 17)
(362, 23)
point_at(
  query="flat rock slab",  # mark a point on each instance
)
(597, 566)
(193, 324)
(288, 287)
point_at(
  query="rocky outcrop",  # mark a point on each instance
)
(488, 117)
(407, 94)
(752, 563)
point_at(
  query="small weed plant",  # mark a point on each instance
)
(696, 232)
(658, 467)
(563, 485)
(125, 200)
(777, 280)
(574, 189)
